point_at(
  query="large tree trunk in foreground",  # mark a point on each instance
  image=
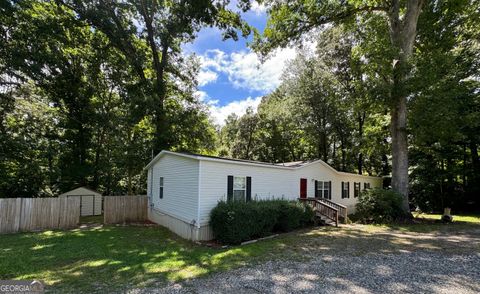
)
(403, 31)
(400, 150)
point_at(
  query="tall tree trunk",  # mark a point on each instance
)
(385, 162)
(161, 140)
(334, 152)
(473, 184)
(403, 31)
(325, 136)
(361, 121)
(398, 131)
(96, 171)
(475, 159)
(464, 168)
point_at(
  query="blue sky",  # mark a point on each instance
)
(232, 78)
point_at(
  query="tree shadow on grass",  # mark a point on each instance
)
(359, 239)
(112, 259)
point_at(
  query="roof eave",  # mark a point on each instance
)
(199, 157)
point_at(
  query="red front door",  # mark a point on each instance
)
(303, 188)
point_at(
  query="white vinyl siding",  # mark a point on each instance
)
(267, 183)
(149, 183)
(321, 173)
(192, 187)
(180, 187)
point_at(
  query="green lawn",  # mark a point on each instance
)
(113, 257)
(456, 218)
(117, 258)
(94, 219)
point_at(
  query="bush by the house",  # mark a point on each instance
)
(379, 206)
(235, 222)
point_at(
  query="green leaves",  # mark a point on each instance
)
(91, 65)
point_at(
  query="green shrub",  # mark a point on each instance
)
(293, 215)
(379, 206)
(235, 222)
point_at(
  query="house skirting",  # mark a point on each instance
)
(180, 227)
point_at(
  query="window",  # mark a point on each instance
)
(366, 186)
(323, 190)
(345, 190)
(356, 190)
(239, 188)
(161, 188)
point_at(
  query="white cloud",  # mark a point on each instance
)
(206, 76)
(245, 70)
(258, 8)
(202, 96)
(239, 107)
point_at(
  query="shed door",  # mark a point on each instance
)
(87, 205)
(303, 188)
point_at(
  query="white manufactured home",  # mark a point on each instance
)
(183, 188)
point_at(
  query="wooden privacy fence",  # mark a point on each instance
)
(122, 209)
(33, 214)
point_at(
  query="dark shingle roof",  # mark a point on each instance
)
(286, 164)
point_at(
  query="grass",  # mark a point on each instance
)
(96, 259)
(471, 219)
(93, 219)
(117, 258)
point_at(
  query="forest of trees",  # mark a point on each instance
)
(87, 97)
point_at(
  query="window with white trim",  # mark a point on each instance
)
(366, 186)
(161, 188)
(239, 188)
(345, 190)
(323, 188)
(356, 190)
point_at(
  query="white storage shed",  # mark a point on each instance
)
(90, 200)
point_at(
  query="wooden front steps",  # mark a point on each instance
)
(321, 220)
(326, 211)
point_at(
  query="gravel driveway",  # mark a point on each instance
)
(407, 269)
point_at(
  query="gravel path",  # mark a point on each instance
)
(372, 273)
(417, 270)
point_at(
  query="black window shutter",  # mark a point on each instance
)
(348, 189)
(330, 190)
(343, 191)
(316, 189)
(230, 188)
(249, 188)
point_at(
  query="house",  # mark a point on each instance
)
(183, 188)
(90, 200)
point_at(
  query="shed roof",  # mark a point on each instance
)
(79, 190)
